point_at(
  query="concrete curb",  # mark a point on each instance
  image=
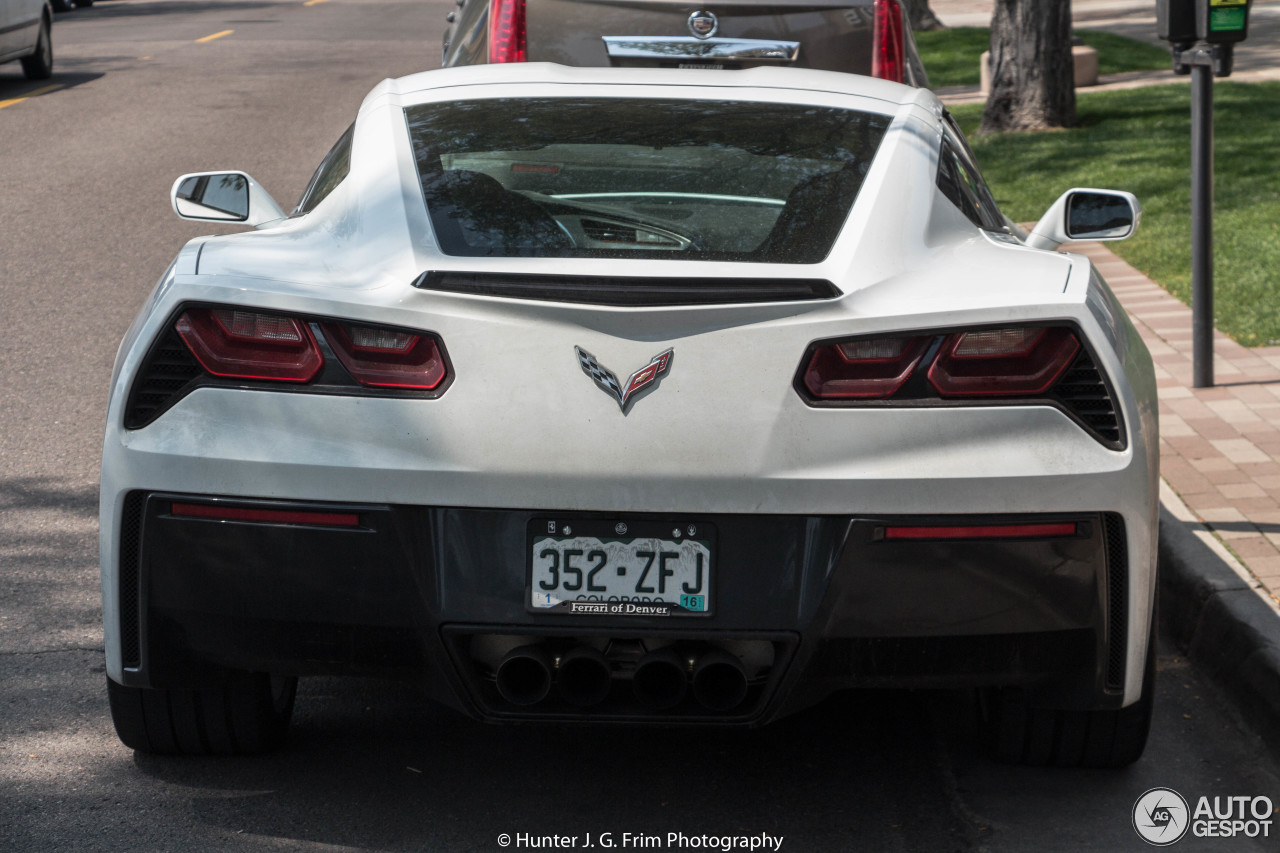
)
(1219, 616)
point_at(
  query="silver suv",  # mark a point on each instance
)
(26, 28)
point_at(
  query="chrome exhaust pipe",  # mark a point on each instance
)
(719, 681)
(659, 681)
(524, 675)
(583, 676)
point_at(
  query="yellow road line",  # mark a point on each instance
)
(215, 36)
(34, 93)
(314, 2)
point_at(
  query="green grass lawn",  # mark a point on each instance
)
(951, 56)
(1140, 140)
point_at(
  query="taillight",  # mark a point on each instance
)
(1017, 361)
(218, 512)
(507, 31)
(874, 368)
(387, 358)
(249, 345)
(1014, 361)
(983, 531)
(888, 58)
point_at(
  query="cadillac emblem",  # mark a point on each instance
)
(703, 24)
(643, 378)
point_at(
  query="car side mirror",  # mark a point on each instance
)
(223, 197)
(1087, 214)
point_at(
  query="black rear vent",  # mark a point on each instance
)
(1117, 600)
(613, 232)
(1084, 393)
(165, 376)
(130, 554)
(631, 292)
(608, 233)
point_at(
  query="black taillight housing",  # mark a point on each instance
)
(1046, 364)
(237, 347)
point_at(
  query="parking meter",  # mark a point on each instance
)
(1203, 35)
(1176, 20)
(1222, 21)
(1212, 21)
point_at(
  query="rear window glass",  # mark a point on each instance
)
(615, 177)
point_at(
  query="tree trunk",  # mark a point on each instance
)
(1032, 85)
(921, 17)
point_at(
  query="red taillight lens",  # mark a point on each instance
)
(506, 31)
(983, 531)
(266, 516)
(1002, 362)
(388, 358)
(250, 345)
(888, 59)
(868, 369)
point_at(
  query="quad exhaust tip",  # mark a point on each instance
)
(660, 681)
(719, 681)
(524, 675)
(583, 676)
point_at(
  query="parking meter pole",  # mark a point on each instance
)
(1203, 35)
(1202, 224)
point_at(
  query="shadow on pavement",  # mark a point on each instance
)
(24, 493)
(183, 7)
(397, 772)
(14, 85)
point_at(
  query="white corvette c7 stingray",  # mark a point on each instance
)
(634, 396)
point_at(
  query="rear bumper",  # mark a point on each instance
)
(808, 604)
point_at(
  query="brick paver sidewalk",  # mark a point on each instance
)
(1220, 446)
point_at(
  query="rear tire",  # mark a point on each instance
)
(39, 65)
(1018, 733)
(247, 715)
(61, 5)
(83, 4)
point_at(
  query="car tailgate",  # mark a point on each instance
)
(832, 36)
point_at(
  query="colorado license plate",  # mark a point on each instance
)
(620, 568)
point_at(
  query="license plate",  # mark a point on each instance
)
(620, 568)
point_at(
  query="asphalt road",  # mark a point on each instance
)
(85, 230)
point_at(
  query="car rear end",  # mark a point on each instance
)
(869, 37)
(621, 479)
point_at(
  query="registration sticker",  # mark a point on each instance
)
(620, 568)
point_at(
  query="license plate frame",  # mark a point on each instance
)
(615, 537)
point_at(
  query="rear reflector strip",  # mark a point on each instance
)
(267, 516)
(984, 531)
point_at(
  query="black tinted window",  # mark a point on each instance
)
(960, 180)
(614, 177)
(334, 167)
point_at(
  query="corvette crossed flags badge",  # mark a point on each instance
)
(637, 382)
